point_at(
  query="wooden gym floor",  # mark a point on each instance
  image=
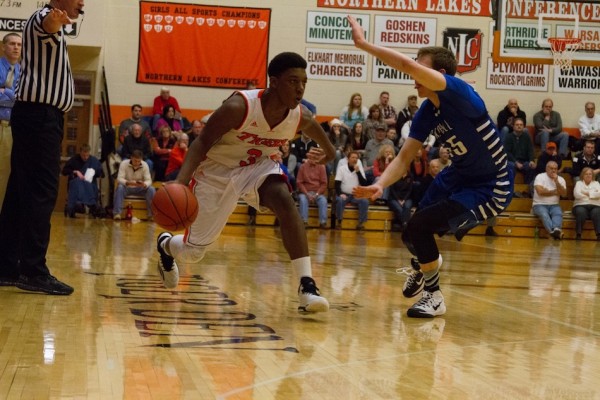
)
(521, 321)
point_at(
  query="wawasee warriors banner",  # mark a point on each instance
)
(208, 46)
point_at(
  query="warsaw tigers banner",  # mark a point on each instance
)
(208, 46)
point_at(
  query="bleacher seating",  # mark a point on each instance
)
(516, 221)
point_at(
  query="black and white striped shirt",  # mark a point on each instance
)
(45, 69)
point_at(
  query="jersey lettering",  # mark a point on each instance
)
(256, 140)
(456, 148)
(253, 155)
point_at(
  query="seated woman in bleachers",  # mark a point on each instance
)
(168, 118)
(161, 149)
(587, 202)
(353, 112)
(357, 140)
(176, 157)
(384, 158)
(289, 160)
(339, 138)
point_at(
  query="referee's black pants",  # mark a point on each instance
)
(32, 189)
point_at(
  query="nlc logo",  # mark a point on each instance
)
(466, 46)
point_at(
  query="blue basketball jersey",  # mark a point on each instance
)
(462, 124)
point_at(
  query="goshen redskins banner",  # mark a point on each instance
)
(208, 46)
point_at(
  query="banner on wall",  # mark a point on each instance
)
(336, 65)
(207, 46)
(481, 8)
(382, 73)
(578, 79)
(517, 76)
(12, 24)
(407, 32)
(333, 28)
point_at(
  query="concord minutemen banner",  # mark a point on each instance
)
(208, 46)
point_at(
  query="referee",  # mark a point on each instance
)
(45, 92)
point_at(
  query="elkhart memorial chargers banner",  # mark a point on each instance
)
(179, 43)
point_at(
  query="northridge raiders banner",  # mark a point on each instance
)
(208, 46)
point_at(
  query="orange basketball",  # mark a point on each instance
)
(174, 207)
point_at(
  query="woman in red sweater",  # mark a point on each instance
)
(176, 157)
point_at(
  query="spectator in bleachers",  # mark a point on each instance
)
(407, 113)
(548, 128)
(374, 119)
(507, 116)
(176, 157)
(392, 134)
(399, 200)
(136, 118)
(82, 171)
(347, 177)
(444, 157)
(589, 126)
(338, 137)
(168, 119)
(291, 163)
(548, 187)
(353, 112)
(300, 147)
(428, 145)
(357, 140)
(587, 202)
(384, 158)
(434, 168)
(550, 154)
(419, 170)
(133, 178)
(586, 158)
(389, 112)
(372, 149)
(519, 149)
(137, 141)
(160, 102)
(312, 189)
(10, 71)
(161, 150)
(197, 127)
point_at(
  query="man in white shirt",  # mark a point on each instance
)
(548, 187)
(589, 125)
(349, 175)
(133, 178)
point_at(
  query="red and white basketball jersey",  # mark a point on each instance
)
(254, 139)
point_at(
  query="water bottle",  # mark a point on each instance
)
(536, 232)
(129, 214)
(386, 225)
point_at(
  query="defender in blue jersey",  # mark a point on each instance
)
(476, 186)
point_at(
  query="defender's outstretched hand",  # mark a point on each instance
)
(372, 192)
(317, 155)
(358, 34)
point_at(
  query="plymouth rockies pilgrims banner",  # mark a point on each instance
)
(197, 45)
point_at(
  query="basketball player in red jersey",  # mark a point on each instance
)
(234, 157)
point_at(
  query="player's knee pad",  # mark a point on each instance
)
(191, 254)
